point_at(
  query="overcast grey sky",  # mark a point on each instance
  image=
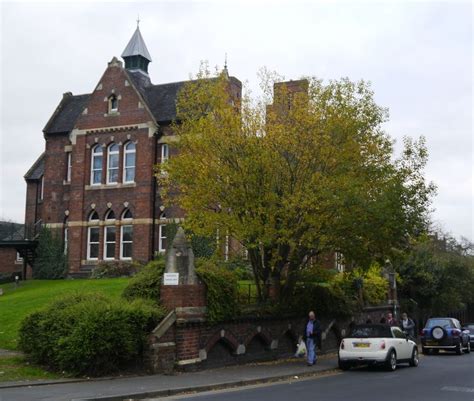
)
(418, 56)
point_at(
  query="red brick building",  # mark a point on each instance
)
(11, 262)
(95, 180)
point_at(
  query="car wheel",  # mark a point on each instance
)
(468, 348)
(414, 358)
(391, 363)
(344, 365)
(459, 348)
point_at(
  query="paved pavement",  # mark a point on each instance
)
(160, 385)
(444, 377)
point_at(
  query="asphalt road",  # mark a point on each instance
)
(444, 377)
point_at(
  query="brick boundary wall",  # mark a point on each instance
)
(193, 344)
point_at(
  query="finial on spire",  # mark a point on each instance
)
(225, 61)
(138, 21)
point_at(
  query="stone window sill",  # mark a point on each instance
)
(110, 186)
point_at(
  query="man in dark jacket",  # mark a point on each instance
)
(312, 335)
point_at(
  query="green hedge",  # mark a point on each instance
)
(146, 283)
(88, 334)
(222, 290)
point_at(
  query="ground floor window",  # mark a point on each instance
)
(93, 243)
(162, 239)
(126, 242)
(66, 239)
(339, 262)
(109, 242)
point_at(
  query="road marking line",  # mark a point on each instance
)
(458, 389)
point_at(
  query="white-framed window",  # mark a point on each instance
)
(41, 189)
(129, 159)
(162, 239)
(126, 242)
(93, 237)
(69, 166)
(66, 236)
(165, 154)
(113, 163)
(339, 262)
(93, 243)
(113, 104)
(109, 242)
(109, 235)
(226, 248)
(96, 165)
(66, 239)
(18, 259)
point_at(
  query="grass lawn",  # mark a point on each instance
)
(17, 369)
(31, 295)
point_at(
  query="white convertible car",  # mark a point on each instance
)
(370, 344)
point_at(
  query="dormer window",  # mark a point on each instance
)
(113, 104)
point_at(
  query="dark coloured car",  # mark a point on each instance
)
(444, 333)
(470, 328)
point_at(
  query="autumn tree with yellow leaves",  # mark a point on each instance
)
(312, 173)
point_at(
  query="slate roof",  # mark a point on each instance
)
(161, 99)
(11, 231)
(136, 46)
(36, 171)
(65, 116)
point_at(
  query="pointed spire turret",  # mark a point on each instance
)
(136, 54)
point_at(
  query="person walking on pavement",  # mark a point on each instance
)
(408, 326)
(312, 335)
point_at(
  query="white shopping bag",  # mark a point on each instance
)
(301, 349)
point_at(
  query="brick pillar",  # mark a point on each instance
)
(187, 298)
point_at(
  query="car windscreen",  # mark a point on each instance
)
(370, 332)
(446, 323)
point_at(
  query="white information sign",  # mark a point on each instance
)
(171, 279)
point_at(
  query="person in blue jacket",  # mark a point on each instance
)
(312, 336)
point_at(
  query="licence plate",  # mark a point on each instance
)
(361, 345)
(431, 342)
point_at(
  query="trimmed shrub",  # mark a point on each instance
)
(222, 290)
(114, 269)
(146, 283)
(88, 334)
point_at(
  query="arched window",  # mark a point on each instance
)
(126, 235)
(127, 214)
(96, 165)
(129, 162)
(113, 103)
(112, 163)
(93, 237)
(109, 235)
(110, 215)
(162, 216)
